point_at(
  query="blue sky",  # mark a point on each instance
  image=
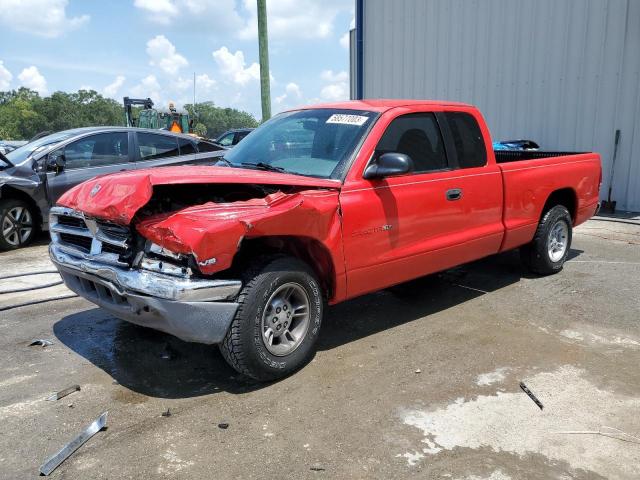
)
(153, 47)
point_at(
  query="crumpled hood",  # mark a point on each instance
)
(117, 197)
(212, 232)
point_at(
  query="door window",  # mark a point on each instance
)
(467, 139)
(227, 140)
(97, 150)
(418, 136)
(153, 146)
(186, 146)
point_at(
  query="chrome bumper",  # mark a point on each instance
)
(194, 310)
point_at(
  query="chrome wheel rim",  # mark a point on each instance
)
(557, 242)
(17, 226)
(285, 320)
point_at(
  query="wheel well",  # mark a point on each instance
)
(564, 196)
(8, 192)
(309, 250)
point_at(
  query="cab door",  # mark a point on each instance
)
(436, 217)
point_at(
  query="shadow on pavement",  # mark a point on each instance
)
(159, 365)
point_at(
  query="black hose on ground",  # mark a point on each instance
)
(35, 302)
(35, 287)
(41, 272)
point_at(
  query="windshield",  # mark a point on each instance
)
(20, 154)
(314, 142)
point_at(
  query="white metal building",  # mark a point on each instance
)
(565, 73)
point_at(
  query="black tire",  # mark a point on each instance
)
(12, 240)
(535, 255)
(244, 346)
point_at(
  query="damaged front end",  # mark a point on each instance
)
(140, 287)
(162, 259)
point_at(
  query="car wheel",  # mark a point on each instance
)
(17, 224)
(277, 324)
(550, 247)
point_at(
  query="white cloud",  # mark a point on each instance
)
(338, 85)
(205, 82)
(292, 93)
(163, 54)
(330, 76)
(210, 16)
(160, 11)
(303, 19)
(233, 66)
(112, 89)
(344, 39)
(31, 78)
(148, 88)
(46, 18)
(5, 77)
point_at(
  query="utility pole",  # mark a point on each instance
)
(263, 47)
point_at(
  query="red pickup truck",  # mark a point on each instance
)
(318, 205)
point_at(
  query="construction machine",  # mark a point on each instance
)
(149, 117)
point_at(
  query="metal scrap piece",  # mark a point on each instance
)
(531, 395)
(54, 461)
(64, 393)
(41, 341)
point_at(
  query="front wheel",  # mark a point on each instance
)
(550, 246)
(277, 324)
(17, 224)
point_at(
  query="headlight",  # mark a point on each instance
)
(160, 260)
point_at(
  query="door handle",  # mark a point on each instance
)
(454, 194)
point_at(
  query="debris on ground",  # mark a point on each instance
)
(54, 461)
(167, 413)
(316, 467)
(64, 393)
(41, 341)
(531, 395)
(223, 426)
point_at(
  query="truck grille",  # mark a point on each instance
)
(89, 238)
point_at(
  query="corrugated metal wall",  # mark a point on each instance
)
(565, 73)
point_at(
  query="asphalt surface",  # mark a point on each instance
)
(424, 384)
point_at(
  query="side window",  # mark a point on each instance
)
(186, 146)
(98, 150)
(227, 140)
(467, 139)
(208, 147)
(418, 136)
(154, 146)
(241, 135)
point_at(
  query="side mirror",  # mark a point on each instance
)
(56, 161)
(388, 165)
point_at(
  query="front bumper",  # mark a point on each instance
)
(194, 310)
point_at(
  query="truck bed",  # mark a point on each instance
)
(506, 156)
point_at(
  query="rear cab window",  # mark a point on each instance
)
(466, 139)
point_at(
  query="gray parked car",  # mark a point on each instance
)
(33, 176)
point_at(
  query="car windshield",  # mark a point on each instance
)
(20, 154)
(315, 142)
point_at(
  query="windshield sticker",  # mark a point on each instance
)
(347, 119)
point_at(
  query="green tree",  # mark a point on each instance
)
(217, 120)
(200, 129)
(24, 113)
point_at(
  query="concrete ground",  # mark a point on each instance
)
(421, 386)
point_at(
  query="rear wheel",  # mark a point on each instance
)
(550, 247)
(17, 224)
(277, 324)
